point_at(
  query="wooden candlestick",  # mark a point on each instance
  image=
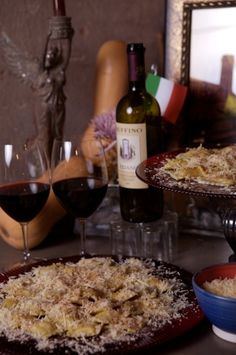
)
(59, 8)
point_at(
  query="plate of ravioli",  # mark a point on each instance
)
(94, 305)
(197, 171)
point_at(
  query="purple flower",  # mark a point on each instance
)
(105, 125)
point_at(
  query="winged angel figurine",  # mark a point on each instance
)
(45, 76)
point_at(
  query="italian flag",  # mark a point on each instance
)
(169, 95)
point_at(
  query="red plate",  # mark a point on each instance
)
(149, 171)
(190, 316)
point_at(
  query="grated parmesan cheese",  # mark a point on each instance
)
(225, 287)
(84, 306)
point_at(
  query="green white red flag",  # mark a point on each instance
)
(170, 96)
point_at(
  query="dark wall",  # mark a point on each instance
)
(94, 22)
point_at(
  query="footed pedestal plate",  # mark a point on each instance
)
(222, 199)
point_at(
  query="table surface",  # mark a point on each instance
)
(193, 253)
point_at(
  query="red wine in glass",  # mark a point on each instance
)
(80, 196)
(22, 201)
(24, 184)
(79, 178)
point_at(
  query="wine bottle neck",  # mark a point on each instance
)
(136, 67)
(138, 85)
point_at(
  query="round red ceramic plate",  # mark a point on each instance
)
(190, 316)
(149, 171)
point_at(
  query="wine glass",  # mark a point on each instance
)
(79, 178)
(24, 185)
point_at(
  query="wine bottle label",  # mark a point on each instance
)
(131, 151)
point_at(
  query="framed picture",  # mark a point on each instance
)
(201, 53)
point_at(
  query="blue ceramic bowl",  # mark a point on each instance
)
(221, 311)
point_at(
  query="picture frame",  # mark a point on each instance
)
(209, 116)
(204, 119)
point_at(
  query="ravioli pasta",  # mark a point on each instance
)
(94, 297)
(212, 166)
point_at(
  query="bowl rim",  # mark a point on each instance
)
(208, 293)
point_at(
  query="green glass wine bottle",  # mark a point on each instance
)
(139, 135)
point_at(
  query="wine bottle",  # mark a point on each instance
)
(139, 135)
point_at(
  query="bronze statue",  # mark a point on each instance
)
(46, 77)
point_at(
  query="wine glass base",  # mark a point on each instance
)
(24, 263)
(84, 255)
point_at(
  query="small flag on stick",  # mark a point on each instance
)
(169, 95)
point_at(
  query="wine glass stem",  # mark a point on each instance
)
(26, 252)
(82, 226)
